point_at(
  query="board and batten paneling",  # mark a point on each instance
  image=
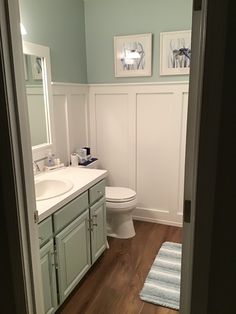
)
(138, 132)
(77, 117)
(70, 118)
(112, 145)
(60, 126)
(159, 143)
(37, 114)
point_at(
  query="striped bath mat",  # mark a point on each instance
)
(162, 285)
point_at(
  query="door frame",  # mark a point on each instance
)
(21, 157)
(192, 147)
(203, 141)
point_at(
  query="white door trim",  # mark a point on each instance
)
(23, 166)
(191, 160)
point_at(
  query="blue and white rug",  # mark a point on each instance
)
(162, 285)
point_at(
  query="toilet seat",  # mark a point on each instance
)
(118, 207)
(116, 194)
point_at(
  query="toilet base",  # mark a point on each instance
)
(120, 225)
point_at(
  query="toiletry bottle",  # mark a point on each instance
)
(74, 160)
(50, 161)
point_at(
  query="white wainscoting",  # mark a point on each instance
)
(37, 114)
(70, 111)
(138, 133)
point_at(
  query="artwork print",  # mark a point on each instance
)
(175, 53)
(132, 55)
(36, 66)
(138, 61)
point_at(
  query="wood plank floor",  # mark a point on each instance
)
(113, 284)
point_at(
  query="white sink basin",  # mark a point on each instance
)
(49, 188)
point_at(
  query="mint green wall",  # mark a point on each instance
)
(106, 18)
(60, 25)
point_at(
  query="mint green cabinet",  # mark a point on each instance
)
(48, 277)
(98, 229)
(45, 231)
(73, 253)
(96, 192)
(71, 240)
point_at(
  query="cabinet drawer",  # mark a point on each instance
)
(45, 230)
(96, 192)
(70, 211)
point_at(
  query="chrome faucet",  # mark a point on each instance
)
(36, 167)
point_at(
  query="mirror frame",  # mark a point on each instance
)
(43, 52)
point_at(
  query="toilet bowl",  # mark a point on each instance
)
(120, 203)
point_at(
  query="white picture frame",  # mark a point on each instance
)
(133, 55)
(175, 52)
(36, 67)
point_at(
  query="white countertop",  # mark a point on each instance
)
(82, 179)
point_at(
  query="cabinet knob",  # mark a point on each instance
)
(55, 265)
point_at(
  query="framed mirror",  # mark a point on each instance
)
(37, 70)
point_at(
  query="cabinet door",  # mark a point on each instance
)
(48, 277)
(98, 233)
(73, 252)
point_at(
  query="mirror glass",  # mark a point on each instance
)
(35, 100)
(37, 83)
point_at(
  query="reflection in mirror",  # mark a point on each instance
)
(38, 91)
(35, 99)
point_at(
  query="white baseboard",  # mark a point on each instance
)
(152, 216)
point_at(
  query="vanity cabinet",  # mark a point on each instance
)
(73, 252)
(97, 203)
(48, 271)
(75, 237)
(48, 266)
(98, 226)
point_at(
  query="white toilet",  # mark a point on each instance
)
(120, 203)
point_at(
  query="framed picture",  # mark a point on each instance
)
(175, 53)
(36, 66)
(133, 55)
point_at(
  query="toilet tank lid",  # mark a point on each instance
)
(115, 193)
